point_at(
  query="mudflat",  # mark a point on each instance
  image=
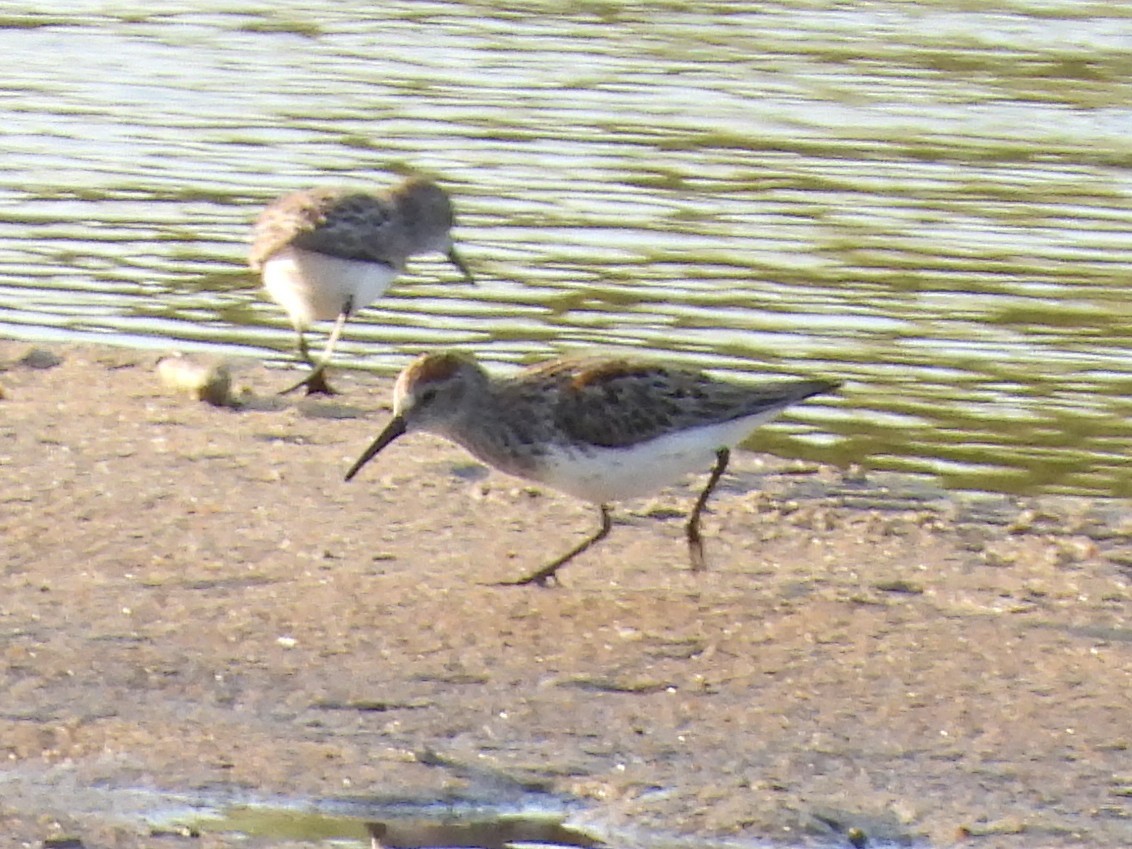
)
(192, 601)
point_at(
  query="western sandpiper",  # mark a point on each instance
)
(599, 429)
(326, 253)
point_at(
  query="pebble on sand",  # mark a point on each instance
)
(207, 381)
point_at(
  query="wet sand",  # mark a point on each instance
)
(193, 601)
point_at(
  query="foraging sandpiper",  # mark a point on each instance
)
(599, 429)
(326, 253)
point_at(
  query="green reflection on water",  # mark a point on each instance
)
(929, 201)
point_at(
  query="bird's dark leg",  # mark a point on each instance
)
(304, 351)
(692, 529)
(548, 571)
(315, 381)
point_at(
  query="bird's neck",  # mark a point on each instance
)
(488, 429)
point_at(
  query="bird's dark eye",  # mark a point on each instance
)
(428, 396)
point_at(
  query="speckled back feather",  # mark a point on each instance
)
(619, 403)
(385, 227)
(345, 224)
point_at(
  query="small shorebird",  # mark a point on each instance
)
(599, 429)
(326, 253)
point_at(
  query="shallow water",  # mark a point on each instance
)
(930, 200)
(403, 822)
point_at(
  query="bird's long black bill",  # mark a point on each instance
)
(458, 261)
(395, 428)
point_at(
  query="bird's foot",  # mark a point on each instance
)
(538, 579)
(315, 384)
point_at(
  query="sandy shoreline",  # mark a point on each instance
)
(192, 598)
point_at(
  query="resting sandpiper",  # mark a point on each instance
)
(599, 429)
(326, 253)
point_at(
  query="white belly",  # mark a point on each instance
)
(316, 287)
(613, 474)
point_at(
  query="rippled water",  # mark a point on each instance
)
(930, 200)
